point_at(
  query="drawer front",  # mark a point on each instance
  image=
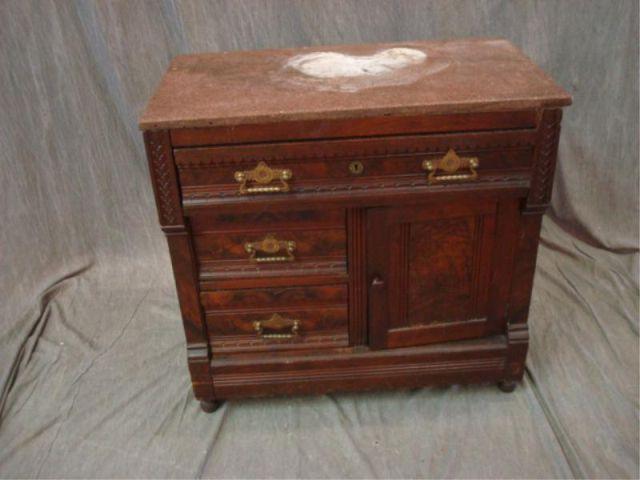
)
(278, 298)
(249, 244)
(276, 318)
(338, 165)
(269, 248)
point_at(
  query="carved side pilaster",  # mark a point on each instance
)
(545, 161)
(163, 177)
(167, 193)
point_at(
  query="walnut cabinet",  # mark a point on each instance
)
(355, 232)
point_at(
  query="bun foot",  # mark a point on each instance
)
(209, 406)
(507, 386)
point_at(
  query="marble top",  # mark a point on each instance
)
(323, 82)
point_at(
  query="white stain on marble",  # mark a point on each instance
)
(337, 65)
(340, 72)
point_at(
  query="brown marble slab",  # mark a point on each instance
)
(231, 88)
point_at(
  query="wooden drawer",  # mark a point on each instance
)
(276, 318)
(248, 244)
(339, 165)
(277, 298)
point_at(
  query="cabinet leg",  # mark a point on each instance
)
(209, 406)
(507, 386)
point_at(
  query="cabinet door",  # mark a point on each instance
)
(439, 271)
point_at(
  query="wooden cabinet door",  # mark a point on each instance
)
(439, 271)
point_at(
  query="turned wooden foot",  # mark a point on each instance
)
(507, 386)
(209, 405)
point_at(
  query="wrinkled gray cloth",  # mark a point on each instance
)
(93, 377)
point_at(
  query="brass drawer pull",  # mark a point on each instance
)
(271, 246)
(449, 166)
(263, 175)
(277, 322)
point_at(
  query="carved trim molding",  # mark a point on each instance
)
(244, 342)
(164, 177)
(545, 162)
(202, 194)
(211, 271)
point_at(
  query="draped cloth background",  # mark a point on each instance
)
(93, 377)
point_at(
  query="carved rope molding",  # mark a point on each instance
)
(163, 172)
(243, 342)
(545, 164)
(202, 195)
(209, 272)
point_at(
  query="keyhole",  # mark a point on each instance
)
(356, 167)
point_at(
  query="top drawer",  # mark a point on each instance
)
(345, 165)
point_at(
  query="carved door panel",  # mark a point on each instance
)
(439, 271)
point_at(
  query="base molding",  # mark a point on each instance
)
(473, 361)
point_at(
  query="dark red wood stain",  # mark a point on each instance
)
(394, 282)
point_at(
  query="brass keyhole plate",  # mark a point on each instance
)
(356, 167)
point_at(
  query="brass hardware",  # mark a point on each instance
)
(263, 175)
(277, 322)
(356, 167)
(450, 164)
(270, 245)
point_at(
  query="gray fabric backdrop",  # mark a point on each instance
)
(93, 378)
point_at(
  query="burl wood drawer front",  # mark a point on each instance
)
(278, 329)
(269, 249)
(279, 297)
(276, 318)
(292, 242)
(353, 164)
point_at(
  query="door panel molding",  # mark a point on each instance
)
(470, 245)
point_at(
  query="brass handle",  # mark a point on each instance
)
(449, 165)
(263, 175)
(277, 322)
(271, 246)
